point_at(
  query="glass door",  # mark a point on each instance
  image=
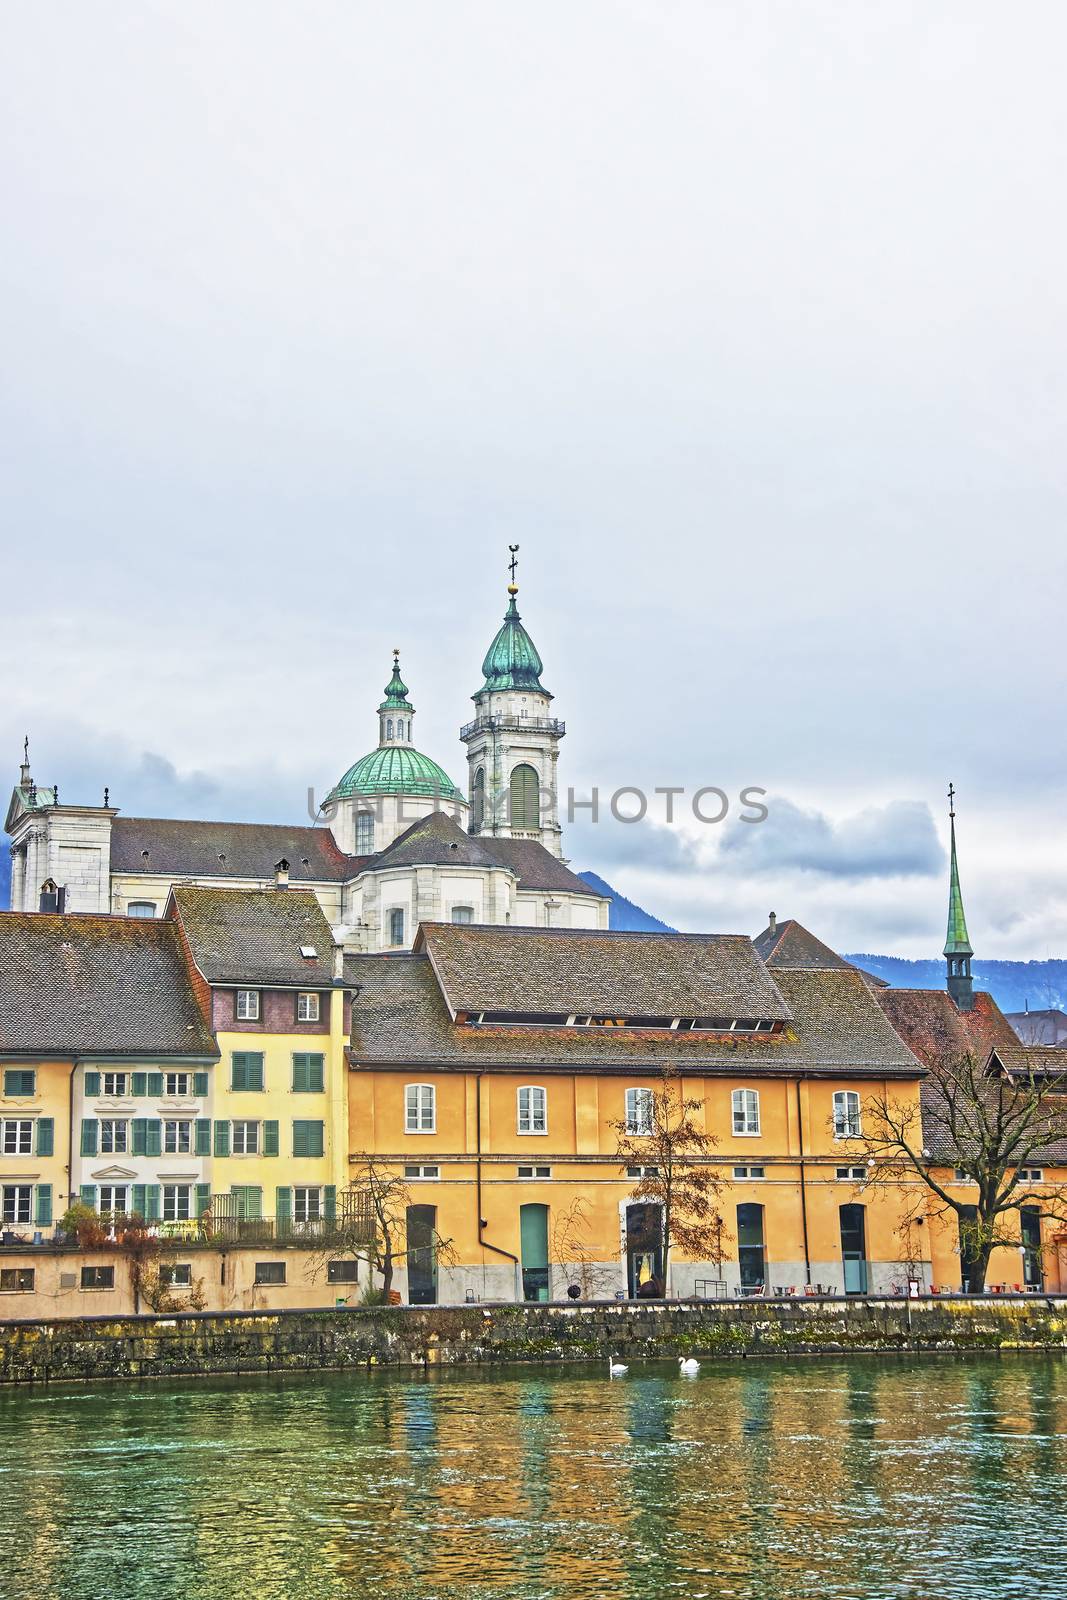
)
(854, 1249)
(644, 1251)
(422, 1255)
(751, 1250)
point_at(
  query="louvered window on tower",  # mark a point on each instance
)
(525, 809)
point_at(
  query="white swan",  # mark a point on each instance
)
(687, 1365)
(616, 1369)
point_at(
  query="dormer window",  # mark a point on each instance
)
(248, 1005)
(309, 952)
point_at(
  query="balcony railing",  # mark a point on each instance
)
(521, 724)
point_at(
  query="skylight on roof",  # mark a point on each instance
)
(309, 952)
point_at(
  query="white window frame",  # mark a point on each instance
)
(178, 1079)
(144, 909)
(639, 1104)
(534, 1120)
(745, 1109)
(22, 1197)
(307, 1006)
(245, 1123)
(750, 1174)
(19, 1130)
(1031, 1174)
(533, 1174)
(168, 1275)
(248, 1007)
(112, 1189)
(420, 1108)
(851, 1174)
(177, 1148)
(848, 1122)
(171, 1199)
(120, 1136)
(463, 916)
(120, 1085)
(642, 1172)
(428, 1173)
(313, 1212)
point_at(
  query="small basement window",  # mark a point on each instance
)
(1031, 1175)
(642, 1172)
(750, 1173)
(98, 1277)
(534, 1172)
(852, 1174)
(422, 1173)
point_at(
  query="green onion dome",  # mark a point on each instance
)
(512, 661)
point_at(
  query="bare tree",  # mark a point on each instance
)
(992, 1125)
(573, 1253)
(372, 1223)
(674, 1154)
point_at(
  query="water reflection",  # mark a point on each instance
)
(862, 1481)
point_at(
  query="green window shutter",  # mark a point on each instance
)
(200, 1085)
(140, 1083)
(255, 1072)
(44, 1205)
(270, 1138)
(87, 1195)
(92, 1083)
(89, 1133)
(154, 1132)
(140, 1137)
(45, 1136)
(20, 1082)
(300, 1138)
(151, 1202)
(203, 1136)
(300, 1074)
(283, 1207)
(315, 1073)
(203, 1198)
(222, 1138)
(329, 1199)
(239, 1070)
(155, 1083)
(138, 1199)
(317, 1139)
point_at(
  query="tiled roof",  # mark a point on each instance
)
(254, 936)
(557, 970)
(400, 1019)
(938, 1032)
(96, 985)
(790, 944)
(438, 840)
(227, 850)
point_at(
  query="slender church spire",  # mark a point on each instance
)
(958, 951)
(396, 713)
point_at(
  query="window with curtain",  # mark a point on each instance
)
(746, 1111)
(420, 1108)
(525, 798)
(533, 1109)
(847, 1114)
(639, 1111)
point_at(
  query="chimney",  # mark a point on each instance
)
(338, 962)
(281, 874)
(772, 922)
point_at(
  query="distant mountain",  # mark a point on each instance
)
(1014, 985)
(624, 916)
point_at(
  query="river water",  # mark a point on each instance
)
(871, 1480)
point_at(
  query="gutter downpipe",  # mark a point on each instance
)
(803, 1191)
(482, 1223)
(70, 1134)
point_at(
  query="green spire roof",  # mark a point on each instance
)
(396, 690)
(395, 769)
(512, 661)
(956, 941)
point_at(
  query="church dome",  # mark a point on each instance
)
(396, 769)
(512, 661)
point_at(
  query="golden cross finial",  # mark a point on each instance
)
(513, 563)
(952, 800)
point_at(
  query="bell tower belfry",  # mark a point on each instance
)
(513, 742)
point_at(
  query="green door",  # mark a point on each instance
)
(533, 1233)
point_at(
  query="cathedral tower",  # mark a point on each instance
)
(513, 742)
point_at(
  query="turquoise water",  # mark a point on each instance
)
(866, 1481)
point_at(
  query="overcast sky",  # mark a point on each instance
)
(745, 321)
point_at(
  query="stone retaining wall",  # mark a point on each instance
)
(94, 1348)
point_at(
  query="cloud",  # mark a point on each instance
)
(890, 841)
(646, 844)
